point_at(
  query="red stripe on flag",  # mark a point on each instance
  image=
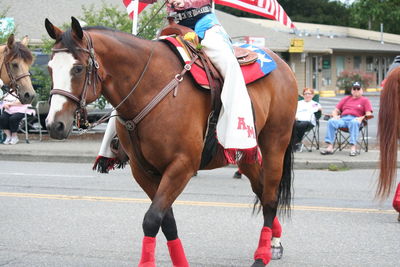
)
(140, 7)
(269, 9)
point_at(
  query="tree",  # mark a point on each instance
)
(3, 14)
(311, 11)
(111, 16)
(108, 16)
(317, 11)
(369, 14)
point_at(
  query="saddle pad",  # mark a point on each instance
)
(251, 72)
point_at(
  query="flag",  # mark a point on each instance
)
(130, 7)
(267, 8)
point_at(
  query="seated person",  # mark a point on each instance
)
(349, 113)
(305, 117)
(12, 114)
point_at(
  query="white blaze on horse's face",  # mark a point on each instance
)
(61, 66)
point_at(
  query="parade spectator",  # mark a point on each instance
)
(349, 113)
(12, 114)
(305, 117)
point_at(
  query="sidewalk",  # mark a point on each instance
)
(84, 149)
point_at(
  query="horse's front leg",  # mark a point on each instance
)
(160, 214)
(174, 244)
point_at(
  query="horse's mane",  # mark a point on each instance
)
(19, 51)
(70, 43)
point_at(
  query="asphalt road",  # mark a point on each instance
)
(64, 214)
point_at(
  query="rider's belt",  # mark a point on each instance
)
(190, 13)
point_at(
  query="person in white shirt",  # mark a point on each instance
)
(305, 117)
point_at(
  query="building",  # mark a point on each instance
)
(317, 56)
(324, 51)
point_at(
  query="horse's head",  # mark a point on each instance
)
(74, 71)
(14, 69)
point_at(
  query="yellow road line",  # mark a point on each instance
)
(188, 203)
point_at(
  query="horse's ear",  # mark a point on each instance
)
(25, 40)
(10, 41)
(52, 30)
(76, 28)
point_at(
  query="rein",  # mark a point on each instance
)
(92, 68)
(152, 17)
(130, 125)
(13, 84)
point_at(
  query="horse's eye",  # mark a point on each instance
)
(77, 69)
(14, 65)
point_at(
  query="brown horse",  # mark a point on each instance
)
(389, 132)
(15, 60)
(170, 138)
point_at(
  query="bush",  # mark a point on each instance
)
(347, 78)
(41, 81)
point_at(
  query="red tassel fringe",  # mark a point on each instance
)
(104, 164)
(249, 155)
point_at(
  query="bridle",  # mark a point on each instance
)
(91, 74)
(13, 84)
(90, 79)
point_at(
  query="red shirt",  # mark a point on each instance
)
(354, 106)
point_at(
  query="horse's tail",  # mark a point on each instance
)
(388, 133)
(285, 186)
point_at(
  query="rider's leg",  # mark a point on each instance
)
(106, 158)
(235, 98)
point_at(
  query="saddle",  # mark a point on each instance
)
(243, 55)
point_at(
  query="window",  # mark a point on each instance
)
(370, 64)
(357, 62)
(326, 71)
(339, 65)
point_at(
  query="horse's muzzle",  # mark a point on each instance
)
(58, 130)
(26, 97)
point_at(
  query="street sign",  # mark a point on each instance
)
(256, 41)
(296, 45)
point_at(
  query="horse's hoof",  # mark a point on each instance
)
(277, 252)
(258, 263)
(398, 218)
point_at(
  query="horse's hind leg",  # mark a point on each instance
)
(276, 184)
(276, 246)
(253, 173)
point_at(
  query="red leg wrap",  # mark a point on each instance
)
(177, 253)
(148, 250)
(263, 251)
(396, 199)
(276, 228)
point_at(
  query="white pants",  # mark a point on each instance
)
(235, 128)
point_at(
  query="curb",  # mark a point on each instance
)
(340, 164)
(298, 164)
